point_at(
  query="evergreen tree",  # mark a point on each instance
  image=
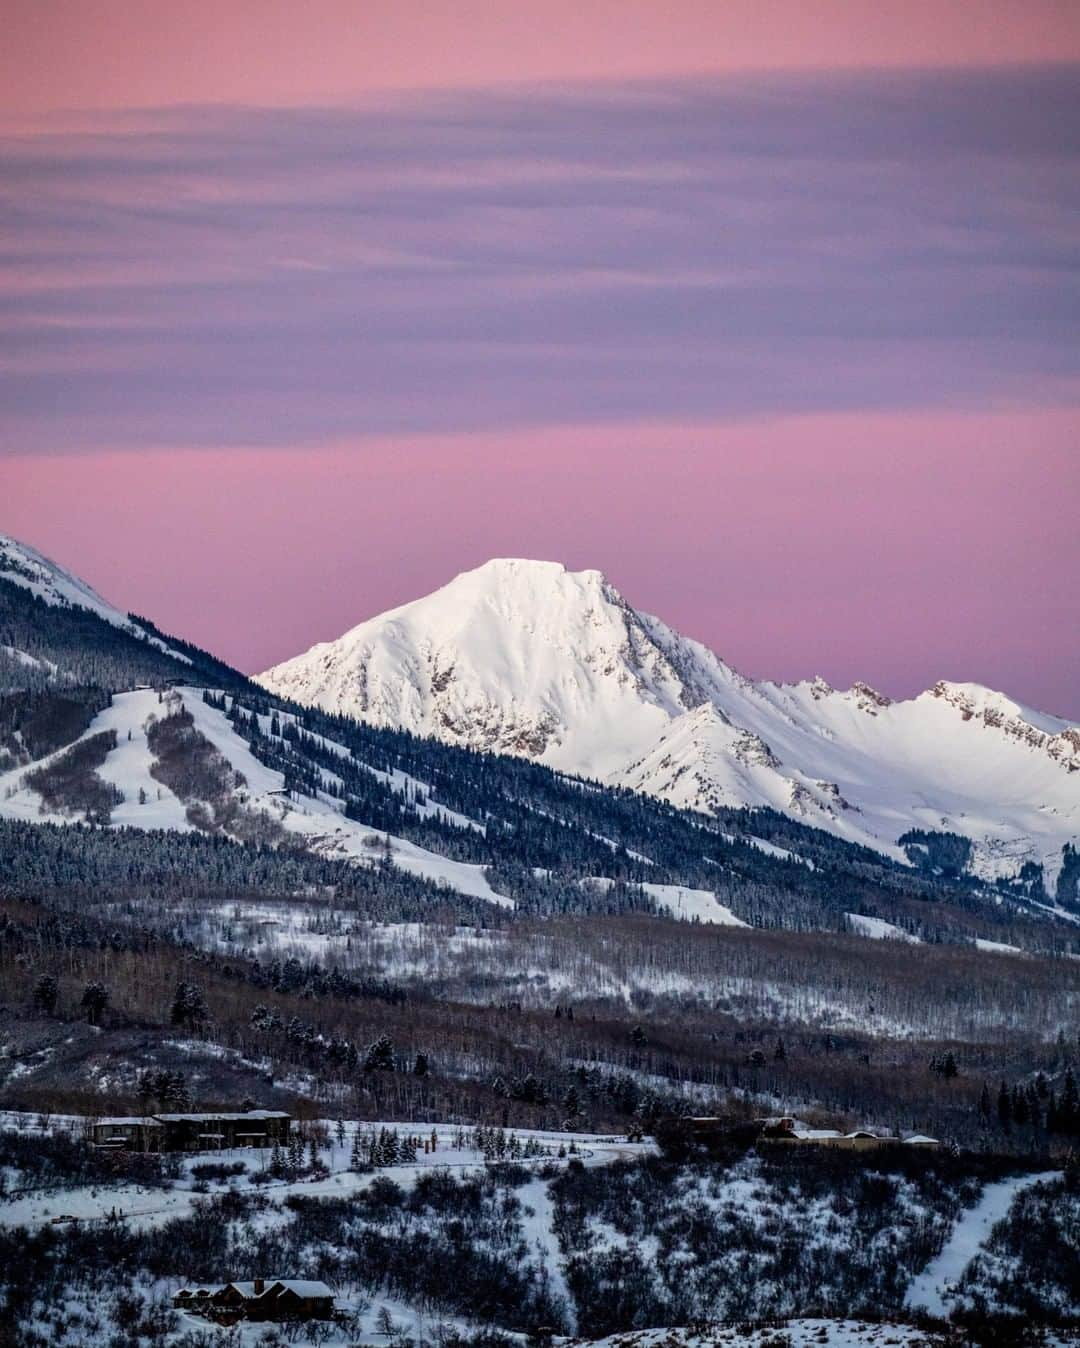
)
(380, 1055)
(95, 999)
(1004, 1108)
(188, 1007)
(1069, 1107)
(46, 992)
(296, 1153)
(984, 1103)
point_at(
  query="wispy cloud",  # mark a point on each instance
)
(692, 250)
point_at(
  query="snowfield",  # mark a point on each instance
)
(144, 1207)
(790, 1333)
(528, 658)
(878, 929)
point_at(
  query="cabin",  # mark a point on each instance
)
(266, 1300)
(194, 1132)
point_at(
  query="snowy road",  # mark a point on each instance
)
(930, 1290)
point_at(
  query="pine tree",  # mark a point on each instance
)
(572, 1104)
(1004, 1108)
(95, 999)
(1069, 1107)
(46, 992)
(380, 1055)
(296, 1153)
(188, 1007)
(984, 1103)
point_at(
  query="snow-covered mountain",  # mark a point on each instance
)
(31, 570)
(528, 658)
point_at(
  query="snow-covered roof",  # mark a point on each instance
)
(919, 1137)
(301, 1287)
(248, 1115)
(119, 1122)
(304, 1287)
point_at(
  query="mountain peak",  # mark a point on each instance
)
(24, 566)
(526, 571)
(527, 657)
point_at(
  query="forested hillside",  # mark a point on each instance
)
(524, 945)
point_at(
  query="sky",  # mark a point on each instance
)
(768, 310)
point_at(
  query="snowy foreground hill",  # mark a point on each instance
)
(491, 1235)
(527, 658)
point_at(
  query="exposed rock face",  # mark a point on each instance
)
(528, 658)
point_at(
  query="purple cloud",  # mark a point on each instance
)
(694, 250)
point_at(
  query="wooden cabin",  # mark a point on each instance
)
(266, 1300)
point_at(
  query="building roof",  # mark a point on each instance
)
(306, 1287)
(149, 1122)
(920, 1137)
(224, 1118)
(301, 1287)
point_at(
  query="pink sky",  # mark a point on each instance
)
(127, 53)
(893, 549)
(308, 307)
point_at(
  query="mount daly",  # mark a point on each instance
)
(528, 658)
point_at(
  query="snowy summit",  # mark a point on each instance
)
(528, 658)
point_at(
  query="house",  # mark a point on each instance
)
(128, 1134)
(292, 1299)
(789, 1130)
(194, 1132)
(266, 1300)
